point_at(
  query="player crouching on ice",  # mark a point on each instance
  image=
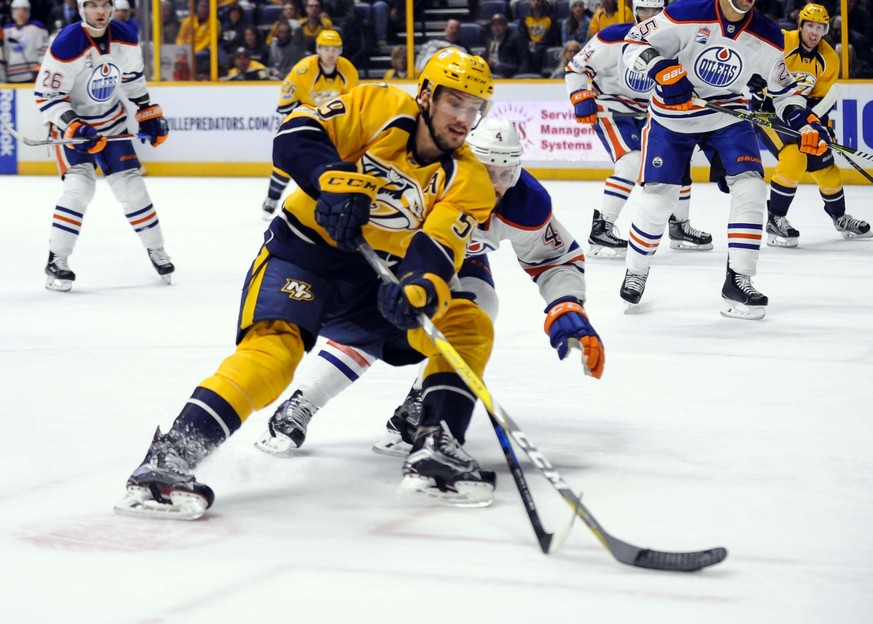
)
(546, 251)
(394, 169)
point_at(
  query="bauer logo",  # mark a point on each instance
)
(103, 82)
(718, 66)
(638, 81)
(8, 145)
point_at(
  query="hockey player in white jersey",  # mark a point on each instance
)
(614, 99)
(711, 48)
(87, 69)
(545, 250)
(24, 43)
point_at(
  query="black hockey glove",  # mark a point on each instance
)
(344, 204)
(757, 85)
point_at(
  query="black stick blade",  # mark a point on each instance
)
(678, 561)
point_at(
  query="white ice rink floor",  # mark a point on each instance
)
(703, 432)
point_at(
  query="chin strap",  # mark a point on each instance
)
(734, 7)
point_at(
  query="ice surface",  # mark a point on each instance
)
(703, 432)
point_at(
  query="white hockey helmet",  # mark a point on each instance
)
(81, 4)
(649, 5)
(495, 142)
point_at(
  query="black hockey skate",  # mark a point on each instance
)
(684, 236)
(741, 299)
(438, 467)
(603, 241)
(633, 287)
(161, 261)
(269, 208)
(163, 486)
(286, 429)
(780, 233)
(60, 277)
(850, 227)
(400, 428)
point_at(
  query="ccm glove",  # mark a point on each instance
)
(416, 293)
(756, 86)
(565, 321)
(80, 130)
(672, 84)
(812, 134)
(585, 106)
(344, 204)
(151, 122)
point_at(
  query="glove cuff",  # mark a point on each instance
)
(150, 112)
(581, 95)
(345, 181)
(667, 72)
(559, 309)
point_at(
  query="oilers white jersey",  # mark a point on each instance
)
(24, 47)
(546, 250)
(719, 56)
(600, 66)
(89, 76)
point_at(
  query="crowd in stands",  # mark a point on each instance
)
(518, 38)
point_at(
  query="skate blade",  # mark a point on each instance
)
(139, 504)
(854, 236)
(267, 215)
(687, 246)
(778, 241)
(393, 445)
(467, 494)
(58, 285)
(637, 308)
(278, 446)
(168, 278)
(735, 310)
(608, 253)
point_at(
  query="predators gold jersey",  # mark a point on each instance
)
(373, 126)
(307, 84)
(815, 71)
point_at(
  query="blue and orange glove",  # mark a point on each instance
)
(672, 84)
(152, 122)
(80, 130)
(585, 106)
(812, 134)
(566, 321)
(343, 207)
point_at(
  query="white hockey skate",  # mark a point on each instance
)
(849, 227)
(161, 261)
(780, 233)
(286, 430)
(632, 291)
(440, 469)
(59, 277)
(604, 241)
(684, 236)
(741, 299)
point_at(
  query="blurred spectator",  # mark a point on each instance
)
(571, 49)
(245, 67)
(253, 42)
(291, 16)
(357, 39)
(24, 44)
(194, 32)
(64, 14)
(286, 49)
(380, 12)
(314, 23)
(169, 22)
(122, 14)
(232, 27)
(452, 39)
(399, 65)
(858, 66)
(540, 30)
(505, 50)
(607, 15)
(575, 26)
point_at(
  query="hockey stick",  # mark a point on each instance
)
(764, 123)
(39, 142)
(505, 427)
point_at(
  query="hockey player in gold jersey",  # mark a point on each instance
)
(815, 66)
(316, 79)
(375, 162)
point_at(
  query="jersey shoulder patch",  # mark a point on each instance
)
(70, 43)
(614, 33)
(526, 205)
(119, 31)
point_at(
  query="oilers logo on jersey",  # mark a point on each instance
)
(638, 81)
(103, 81)
(399, 203)
(718, 66)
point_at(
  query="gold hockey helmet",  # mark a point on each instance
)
(455, 69)
(329, 38)
(814, 13)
